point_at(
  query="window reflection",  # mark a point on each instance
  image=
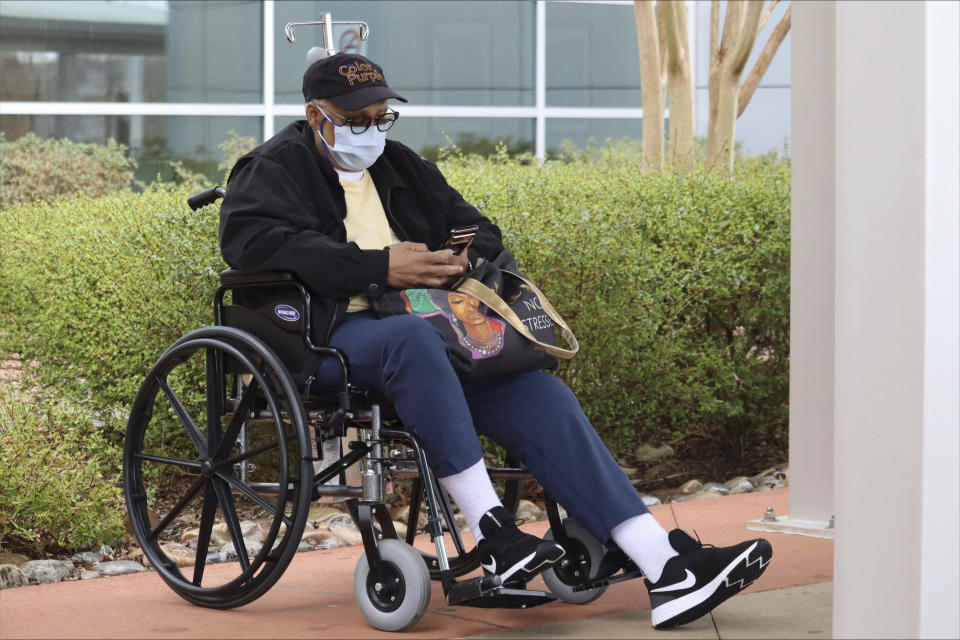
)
(193, 140)
(123, 51)
(433, 53)
(427, 136)
(592, 56)
(583, 132)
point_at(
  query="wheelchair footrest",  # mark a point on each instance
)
(488, 593)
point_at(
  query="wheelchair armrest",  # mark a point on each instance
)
(237, 278)
(208, 196)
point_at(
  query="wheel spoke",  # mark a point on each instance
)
(177, 508)
(225, 498)
(190, 464)
(239, 417)
(253, 452)
(206, 527)
(195, 436)
(253, 495)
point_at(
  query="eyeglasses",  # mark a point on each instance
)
(360, 124)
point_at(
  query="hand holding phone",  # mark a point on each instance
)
(460, 238)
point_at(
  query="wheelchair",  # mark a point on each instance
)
(221, 425)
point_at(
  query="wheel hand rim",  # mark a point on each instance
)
(228, 351)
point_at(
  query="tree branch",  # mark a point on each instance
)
(679, 88)
(747, 35)
(672, 36)
(766, 16)
(732, 22)
(713, 70)
(763, 62)
(714, 28)
(650, 88)
(661, 13)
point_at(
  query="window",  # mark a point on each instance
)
(153, 51)
(153, 141)
(592, 58)
(173, 76)
(433, 53)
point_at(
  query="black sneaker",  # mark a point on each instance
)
(700, 578)
(510, 553)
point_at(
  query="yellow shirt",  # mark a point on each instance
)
(366, 224)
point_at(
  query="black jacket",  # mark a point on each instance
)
(285, 207)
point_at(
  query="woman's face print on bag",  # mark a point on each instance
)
(482, 335)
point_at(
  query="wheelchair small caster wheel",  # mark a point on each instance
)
(584, 554)
(393, 595)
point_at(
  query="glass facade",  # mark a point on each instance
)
(471, 135)
(156, 140)
(153, 51)
(176, 74)
(592, 56)
(432, 53)
(582, 132)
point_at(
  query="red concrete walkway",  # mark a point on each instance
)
(314, 598)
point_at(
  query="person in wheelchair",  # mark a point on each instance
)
(354, 214)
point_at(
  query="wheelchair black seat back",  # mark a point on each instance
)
(225, 452)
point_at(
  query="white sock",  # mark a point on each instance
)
(472, 491)
(645, 541)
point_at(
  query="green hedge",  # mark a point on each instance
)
(57, 489)
(677, 287)
(33, 168)
(97, 288)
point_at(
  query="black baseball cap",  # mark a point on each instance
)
(348, 80)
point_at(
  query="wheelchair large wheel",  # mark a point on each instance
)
(583, 557)
(186, 473)
(393, 595)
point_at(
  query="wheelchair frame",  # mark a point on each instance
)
(392, 582)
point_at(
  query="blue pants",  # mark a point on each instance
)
(534, 416)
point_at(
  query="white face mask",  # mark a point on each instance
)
(354, 151)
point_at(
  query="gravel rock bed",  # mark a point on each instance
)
(327, 527)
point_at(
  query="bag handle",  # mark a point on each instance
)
(487, 296)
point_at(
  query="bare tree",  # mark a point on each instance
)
(651, 87)
(766, 57)
(665, 60)
(679, 82)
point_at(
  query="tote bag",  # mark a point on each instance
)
(495, 321)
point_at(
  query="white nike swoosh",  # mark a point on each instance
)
(686, 583)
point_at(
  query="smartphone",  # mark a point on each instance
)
(460, 238)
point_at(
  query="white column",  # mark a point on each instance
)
(940, 513)
(540, 91)
(896, 456)
(268, 58)
(133, 77)
(812, 230)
